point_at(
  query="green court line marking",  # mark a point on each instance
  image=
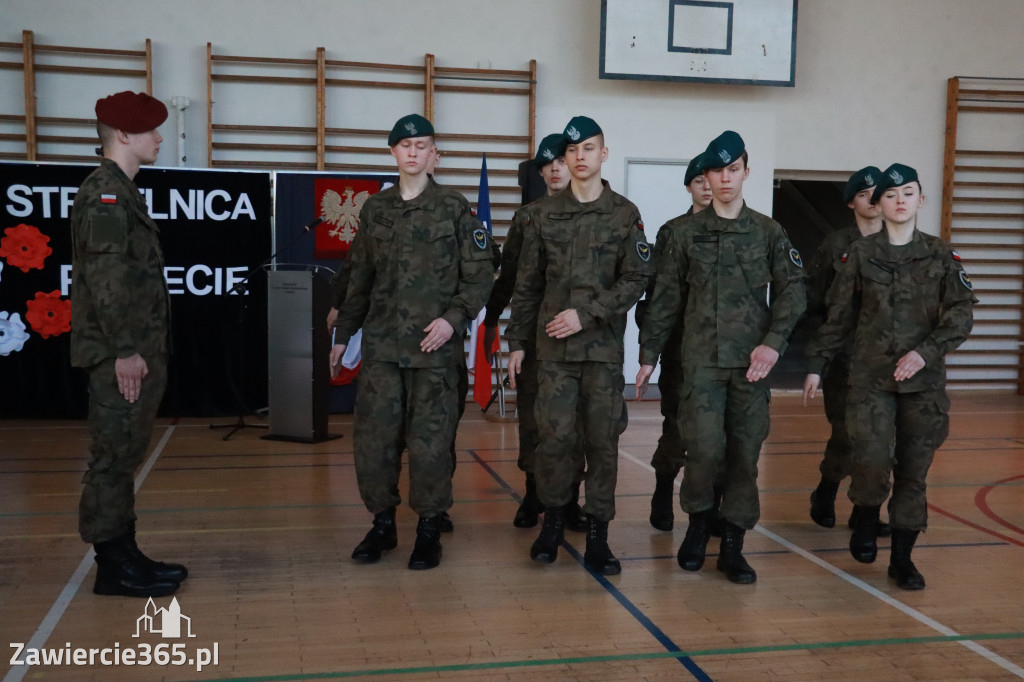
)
(541, 662)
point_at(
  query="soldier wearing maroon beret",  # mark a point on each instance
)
(119, 335)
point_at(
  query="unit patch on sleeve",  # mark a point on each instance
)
(966, 281)
(480, 237)
(643, 249)
(794, 256)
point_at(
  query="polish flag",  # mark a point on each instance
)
(477, 361)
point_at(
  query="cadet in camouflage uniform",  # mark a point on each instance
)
(716, 273)
(550, 161)
(339, 285)
(669, 455)
(835, 465)
(907, 300)
(119, 334)
(585, 262)
(421, 268)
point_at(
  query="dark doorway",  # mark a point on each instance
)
(808, 210)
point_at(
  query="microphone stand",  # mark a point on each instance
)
(241, 288)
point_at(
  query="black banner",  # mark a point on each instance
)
(214, 227)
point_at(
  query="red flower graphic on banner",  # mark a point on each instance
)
(25, 247)
(48, 314)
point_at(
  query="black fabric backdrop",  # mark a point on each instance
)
(214, 227)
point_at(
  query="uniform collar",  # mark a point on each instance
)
(568, 203)
(716, 223)
(128, 185)
(915, 249)
(423, 200)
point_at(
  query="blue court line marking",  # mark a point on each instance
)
(825, 550)
(656, 632)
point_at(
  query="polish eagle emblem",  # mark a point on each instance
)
(342, 212)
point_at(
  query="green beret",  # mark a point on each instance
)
(895, 175)
(132, 112)
(695, 168)
(723, 150)
(412, 125)
(581, 128)
(550, 148)
(865, 178)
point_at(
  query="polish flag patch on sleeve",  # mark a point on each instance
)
(108, 198)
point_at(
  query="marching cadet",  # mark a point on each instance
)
(835, 464)
(550, 162)
(716, 272)
(339, 286)
(421, 268)
(585, 262)
(668, 456)
(120, 332)
(905, 297)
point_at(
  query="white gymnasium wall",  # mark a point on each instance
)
(870, 82)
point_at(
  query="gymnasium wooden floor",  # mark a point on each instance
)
(266, 529)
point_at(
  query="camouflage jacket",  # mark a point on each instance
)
(589, 256)
(501, 295)
(716, 274)
(675, 338)
(119, 300)
(821, 272)
(339, 282)
(411, 263)
(895, 299)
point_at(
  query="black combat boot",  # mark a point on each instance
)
(864, 539)
(118, 572)
(691, 552)
(663, 501)
(545, 547)
(716, 526)
(730, 556)
(427, 551)
(823, 503)
(530, 508)
(901, 568)
(159, 569)
(445, 523)
(884, 529)
(383, 535)
(575, 519)
(598, 557)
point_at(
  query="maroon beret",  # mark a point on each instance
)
(132, 112)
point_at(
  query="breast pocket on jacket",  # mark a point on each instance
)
(702, 263)
(754, 263)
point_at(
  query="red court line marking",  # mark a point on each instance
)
(981, 500)
(960, 519)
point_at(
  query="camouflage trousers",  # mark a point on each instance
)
(918, 424)
(463, 390)
(835, 464)
(669, 455)
(529, 435)
(584, 396)
(726, 421)
(415, 408)
(120, 433)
